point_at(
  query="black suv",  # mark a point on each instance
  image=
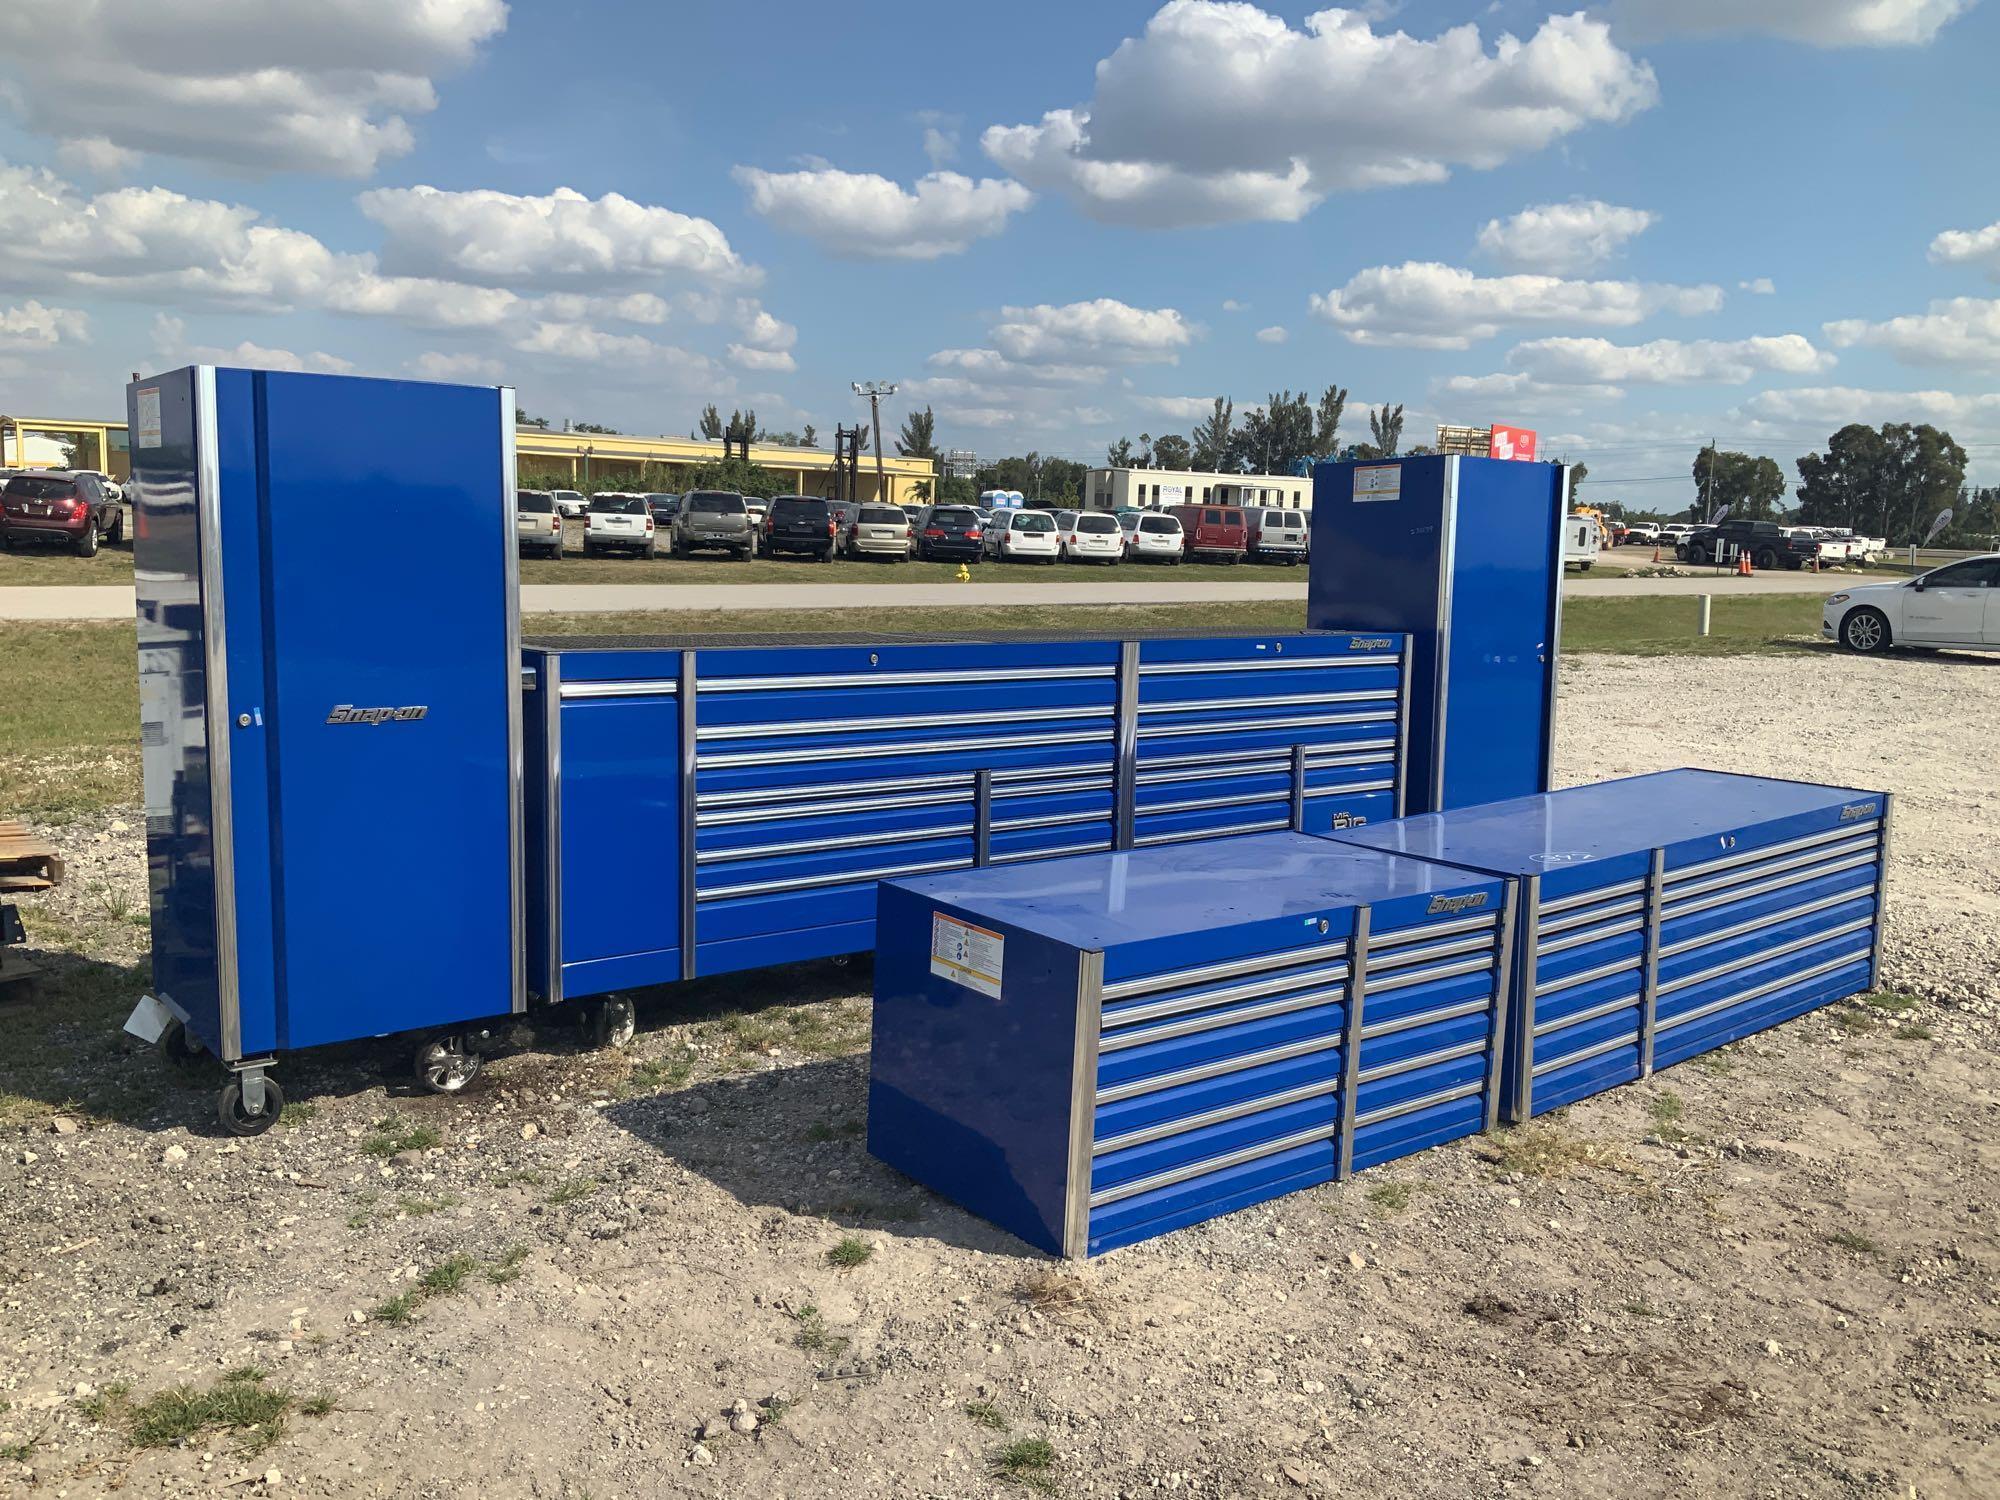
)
(951, 531)
(1766, 542)
(800, 523)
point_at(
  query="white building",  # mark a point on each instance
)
(1150, 489)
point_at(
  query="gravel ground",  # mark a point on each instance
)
(1772, 1272)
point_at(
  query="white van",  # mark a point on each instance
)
(1581, 541)
(1276, 535)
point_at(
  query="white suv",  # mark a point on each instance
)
(1089, 536)
(1023, 536)
(619, 523)
(1153, 536)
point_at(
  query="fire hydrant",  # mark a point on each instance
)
(964, 573)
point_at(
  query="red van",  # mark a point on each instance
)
(1214, 531)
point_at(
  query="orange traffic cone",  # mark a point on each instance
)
(1743, 564)
(1656, 554)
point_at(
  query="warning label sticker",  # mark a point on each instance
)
(148, 435)
(1382, 482)
(967, 955)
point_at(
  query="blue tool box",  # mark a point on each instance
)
(1663, 916)
(1098, 1049)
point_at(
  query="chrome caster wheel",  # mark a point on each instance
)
(612, 1022)
(445, 1065)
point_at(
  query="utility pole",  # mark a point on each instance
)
(875, 390)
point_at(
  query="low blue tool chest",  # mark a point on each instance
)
(1094, 1050)
(1667, 915)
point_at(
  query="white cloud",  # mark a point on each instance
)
(1599, 362)
(862, 214)
(33, 326)
(96, 156)
(1823, 408)
(1821, 23)
(235, 83)
(1562, 237)
(940, 146)
(460, 369)
(762, 359)
(1522, 395)
(1954, 331)
(1178, 408)
(1762, 286)
(1230, 304)
(563, 238)
(1104, 329)
(1222, 112)
(1969, 247)
(1425, 305)
(1275, 334)
(760, 330)
(992, 367)
(257, 357)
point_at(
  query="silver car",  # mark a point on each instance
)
(715, 518)
(879, 531)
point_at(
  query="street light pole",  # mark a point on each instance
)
(875, 390)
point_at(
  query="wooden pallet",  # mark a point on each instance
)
(26, 862)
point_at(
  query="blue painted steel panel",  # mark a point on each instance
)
(320, 818)
(1463, 554)
(1211, 987)
(1665, 915)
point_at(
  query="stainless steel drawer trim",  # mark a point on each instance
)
(1211, 1164)
(1125, 1040)
(891, 749)
(1715, 971)
(1239, 726)
(737, 855)
(1570, 923)
(1423, 1060)
(1404, 979)
(1594, 895)
(1256, 963)
(1219, 1116)
(1589, 976)
(1771, 851)
(941, 677)
(821, 882)
(1764, 868)
(1153, 1084)
(1483, 923)
(1412, 1106)
(1263, 664)
(1755, 924)
(784, 728)
(1738, 893)
(633, 687)
(1258, 703)
(1334, 974)
(1269, 825)
(1383, 962)
(1583, 936)
(1586, 1054)
(1474, 1007)
(1744, 997)
(1594, 1013)
(1230, 760)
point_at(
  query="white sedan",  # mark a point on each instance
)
(1023, 535)
(1956, 605)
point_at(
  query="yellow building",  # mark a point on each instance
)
(643, 463)
(54, 442)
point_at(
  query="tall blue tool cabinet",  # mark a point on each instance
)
(1465, 556)
(1664, 916)
(330, 712)
(1102, 1048)
(708, 804)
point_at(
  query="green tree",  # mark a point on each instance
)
(742, 426)
(1211, 437)
(918, 437)
(711, 423)
(1385, 431)
(1577, 474)
(1145, 450)
(809, 438)
(1751, 486)
(522, 419)
(956, 489)
(1172, 451)
(1326, 428)
(1890, 482)
(1119, 455)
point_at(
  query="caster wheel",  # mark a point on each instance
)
(612, 1022)
(444, 1065)
(177, 1047)
(239, 1121)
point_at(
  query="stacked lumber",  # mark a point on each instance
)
(27, 863)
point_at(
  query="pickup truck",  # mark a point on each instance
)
(1767, 544)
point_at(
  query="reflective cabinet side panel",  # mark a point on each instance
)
(173, 699)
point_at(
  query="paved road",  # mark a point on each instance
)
(99, 602)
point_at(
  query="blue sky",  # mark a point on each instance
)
(1630, 227)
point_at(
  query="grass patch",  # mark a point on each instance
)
(18, 1453)
(1720, 1063)
(987, 1415)
(1065, 1293)
(508, 1267)
(1664, 625)
(824, 1132)
(398, 1311)
(517, 1177)
(419, 1208)
(849, 1253)
(812, 1334)
(1852, 1020)
(1853, 1240)
(296, 1114)
(1914, 1032)
(1026, 1461)
(1390, 1197)
(654, 1075)
(1666, 1111)
(393, 1135)
(69, 740)
(1546, 1151)
(1894, 1002)
(242, 1403)
(1642, 1310)
(106, 1402)
(447, 1276)
(571, 1190)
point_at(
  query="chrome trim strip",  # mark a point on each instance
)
(517, 745)
(1503, 988)
(1232, 760)
(1594, 895)
(1402, 725)
(1404, 979)
(1350, 1041)
(883, 751)
(1733, 894)
(804, 811)
(1553, 692)
(1082, 1110)
(1261, 702)
(1411, 1106)
(1211, 1164)
(1202, 1072)
(1054, 820)
(552, 861)
(1761, 869)
(785, 728)
(1080, 778)
(1422, 1060)
(1523, 1058)
(1285, 1004)
(1124, 778)
(1577, 920)
(528, 684)
(1598, 1012)
(1649, 975)
(1187, 1124)
(1447, 587)
(738, 853)
(1269, 825)
(657, 687)
(1297, 799)
(1582, 937)
(1586, 1054)
(1259, 664)
(1881, 891)
(1452, 1012)
(1253, 799)
(1427, 931)
(1148, 984)
(687, 693)
(1237, 726)
(1163, 773)
(221, 722)
(832, 878)
(1755, 924)
(1293, 978)
(1093, 846)
(1715, 971)
(943, 677)
(1743, 997)
(1586, 976)
(982, 828)
(1771, 851)
(1398, 958)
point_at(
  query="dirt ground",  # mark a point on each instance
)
(1772, 1272)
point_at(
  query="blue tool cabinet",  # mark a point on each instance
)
(1464, 555)
(1099, 1049)
(1663, 916)
(329, 715)
(699, 805)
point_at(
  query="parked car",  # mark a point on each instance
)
(878, 531)
(59, 507)
(664, 509)
(759, 508)
(1582, 541)
(1276, 535)
(619, 523)
(1643, 533)
(1766, 543)
(1023, 536)
(1152, 536)
(1674, 533)
(803, 524)
(1091, 536)
(1215, 531)
(571, 504)
(537, 527)
(112, 488)
(1955, 605)
(951, 531)
(714, 518)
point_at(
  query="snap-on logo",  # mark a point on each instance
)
(347, 713)
(1442, 904)
(1857, 810)
(1348, 820)
(1369, 643)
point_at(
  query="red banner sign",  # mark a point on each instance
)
(1513, 442)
